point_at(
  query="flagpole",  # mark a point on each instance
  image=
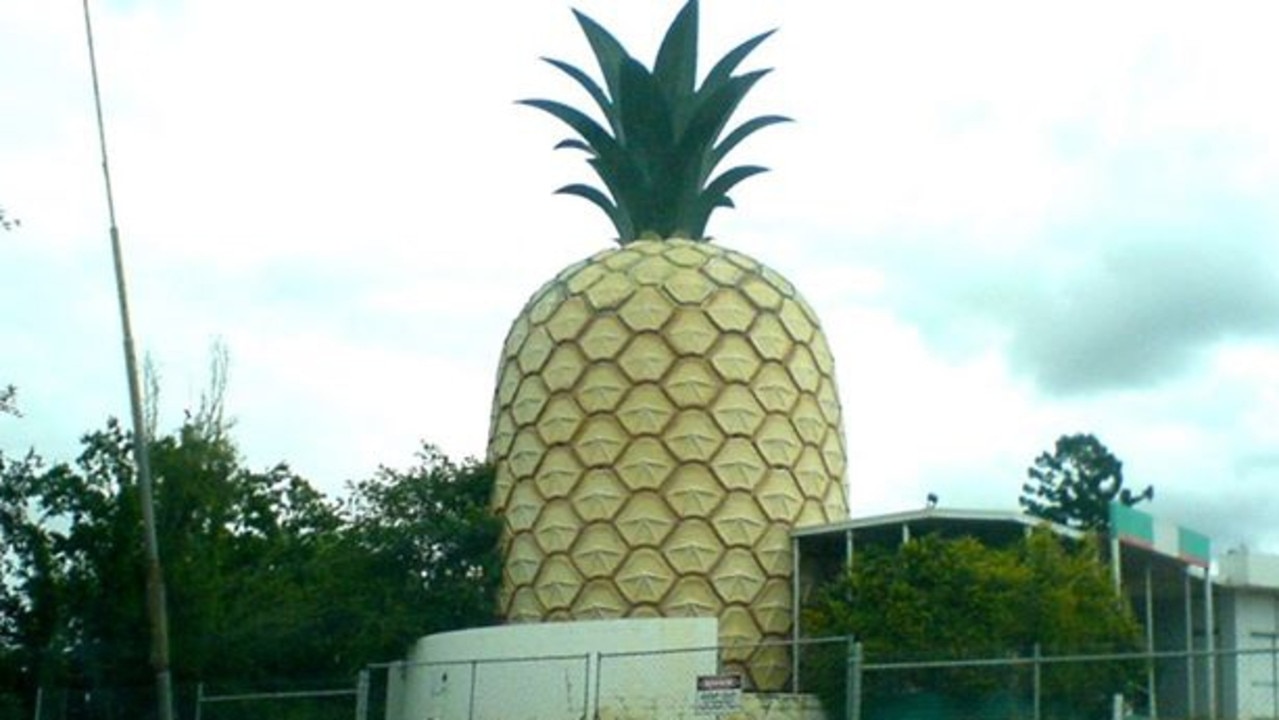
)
(156, 605)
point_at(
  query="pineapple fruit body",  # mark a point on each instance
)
(665, 413)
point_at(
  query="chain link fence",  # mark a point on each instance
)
(101, 703)
(294, 700)
(1251, 684)
(836, 679)
(291, 701)
(814, 679)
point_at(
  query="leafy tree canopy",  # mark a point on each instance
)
(1075, 484)
(946, 599)
(269, 581)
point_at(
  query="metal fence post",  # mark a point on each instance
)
(853, 681)
(362, 695)
(599, 673)
(586, 685)
(39, 702)
(1037, 688)
(199, 701)
(1274, 675)
(470, 703)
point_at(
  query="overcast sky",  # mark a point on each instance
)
(1015, 223)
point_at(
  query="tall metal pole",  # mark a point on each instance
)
(156, 605)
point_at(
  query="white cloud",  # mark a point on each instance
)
(350, 198)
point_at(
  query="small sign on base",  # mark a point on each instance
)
(718, 694)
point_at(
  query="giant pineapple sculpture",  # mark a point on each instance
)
(666, 410)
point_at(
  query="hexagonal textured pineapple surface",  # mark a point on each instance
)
(665, 412)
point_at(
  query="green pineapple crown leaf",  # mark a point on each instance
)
(663, 141)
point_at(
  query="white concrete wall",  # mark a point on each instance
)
(1242, 569)
(554, 670)
(1248, 620)
(1252, 624)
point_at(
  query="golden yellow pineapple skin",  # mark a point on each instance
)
(665, 413)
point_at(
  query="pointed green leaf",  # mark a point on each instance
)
(609, 53)
(710, 118)
(615, 214)
(624, 183)
(596, 136)
(611, 162)
(607, 106)
(714, 109)
(573, 144)
(740, 133)
(719, 187)
(659, 142)
(648, 145)
(727, 64)
(676, 64)
(716, 194)
(646, 120)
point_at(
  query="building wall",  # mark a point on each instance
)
(1250, 625)
(1248, 613)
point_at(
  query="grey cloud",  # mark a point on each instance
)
(1143, 312)
(1234, 510)
(1127, 293)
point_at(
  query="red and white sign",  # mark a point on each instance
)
(718, 694)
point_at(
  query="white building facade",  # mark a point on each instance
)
(1248, 628)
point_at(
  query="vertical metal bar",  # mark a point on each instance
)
(1191, 688)
(1116, 565)
(1274, 675)
(362, 695)
(470, 703)
(156, 604)
(599, 672)
(854, 691)
(39, 702)
(1210, 645)
(850, 671)
(1117, 577)
(794, 609)
(1153, 711)
(1037, 683)
(1274, 659)
(199, 701)
(586, 686)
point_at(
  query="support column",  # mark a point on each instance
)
(849, 548)
(1151, 693)
(1191, 688)
(1116, 568)
(794, 614)
(1210, 644)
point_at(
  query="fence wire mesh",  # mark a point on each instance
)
(816, 679)
(325, 700)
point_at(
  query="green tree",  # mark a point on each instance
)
(244, 553)
(7, 405)
(433, 520)
(270, 583)
(1075, 484)
(952, 599)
